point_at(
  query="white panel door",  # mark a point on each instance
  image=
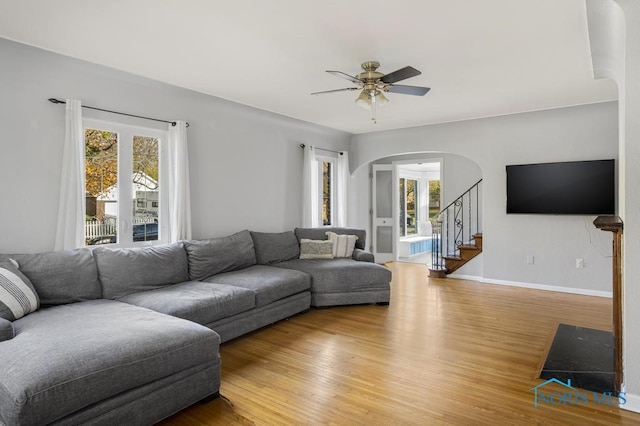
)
(383, 225)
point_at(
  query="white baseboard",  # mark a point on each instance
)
(545, 287)
(632, 404)
(464, 277)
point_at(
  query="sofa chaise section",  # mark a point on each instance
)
(90, 362)
(342, 280)
(84, 359)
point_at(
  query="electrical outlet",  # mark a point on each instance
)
(530, 260)
(579, 263)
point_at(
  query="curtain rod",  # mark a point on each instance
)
(173, 123)
(323, 149)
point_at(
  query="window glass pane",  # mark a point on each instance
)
(326, 192)
(434, 198)
(412, 209)
(384, 191)
(145, 188)
(403, 212)
(101, 186)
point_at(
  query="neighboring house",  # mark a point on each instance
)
(145, 198)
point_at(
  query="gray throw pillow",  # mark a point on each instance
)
(275, 247)
(217, 255)
(17, 295)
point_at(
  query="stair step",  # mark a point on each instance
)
(468, 252)
(437, 272)
(452, 257)
(477, 239)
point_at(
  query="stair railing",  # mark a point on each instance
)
(455, 226)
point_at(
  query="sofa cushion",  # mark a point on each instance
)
(17, 296)
(6, 330)
(320, 234)
(61, 277)
(316, 249)
(195, 301)
(65, 358)
(341, 274)
(124, 271)
(216, 255)
(274, 247)
(268, 283)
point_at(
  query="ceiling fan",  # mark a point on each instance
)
(372, 85)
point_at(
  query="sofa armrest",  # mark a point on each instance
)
(6, 330)
(362, 255)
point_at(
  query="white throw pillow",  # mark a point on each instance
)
(343, 245)
(316, 249)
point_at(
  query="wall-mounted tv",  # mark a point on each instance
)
(576, 187)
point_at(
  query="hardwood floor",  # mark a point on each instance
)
(444, 351)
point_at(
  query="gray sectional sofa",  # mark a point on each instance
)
(132, 335)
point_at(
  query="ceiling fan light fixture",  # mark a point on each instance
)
(364, 100)
(381, 99)
(372, 85)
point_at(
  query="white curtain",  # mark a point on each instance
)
(310, 196)
(342, 189)
(71, 203)
(179, 194)
(424, 226)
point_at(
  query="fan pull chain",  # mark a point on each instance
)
(374, 108)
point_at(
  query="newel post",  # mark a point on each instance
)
(614, 224)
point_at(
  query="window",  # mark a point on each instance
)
(327, 190)
(434, 198)
(327, 193)
(409, 202)
(125, 197)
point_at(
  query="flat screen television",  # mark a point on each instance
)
(573, 188)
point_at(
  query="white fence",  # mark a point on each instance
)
(99, 228)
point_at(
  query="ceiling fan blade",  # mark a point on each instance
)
(335, 90)
(401, 74)
(345, 76)
(407, 90)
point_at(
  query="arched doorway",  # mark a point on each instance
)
(409, 190)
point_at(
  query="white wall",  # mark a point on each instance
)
(578, 133)
(614, 32)
(246, 164)
(458, 173)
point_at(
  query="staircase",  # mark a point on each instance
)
(457, 233)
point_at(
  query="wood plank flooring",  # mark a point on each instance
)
(445, 351)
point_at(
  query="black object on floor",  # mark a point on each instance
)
(583, 355)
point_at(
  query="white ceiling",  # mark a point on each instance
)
(480, 58)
